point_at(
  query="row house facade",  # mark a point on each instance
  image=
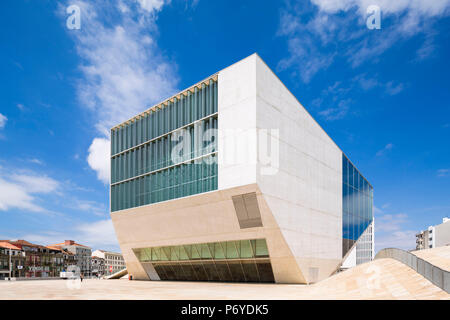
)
(28, 260)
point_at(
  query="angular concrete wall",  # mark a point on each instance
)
(305, 195)
(237, 124)
(207, 217)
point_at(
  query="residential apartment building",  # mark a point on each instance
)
(114, 261)
(434, 236)
(422, 240)
(82, 254)
(12, 260)
(29, 260)
(233, 180)
(98, 267)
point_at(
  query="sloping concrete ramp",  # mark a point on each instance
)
(433, 264)
(384, 278)
(439, 257)
(118, 274)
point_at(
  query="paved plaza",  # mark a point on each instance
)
(380, 279)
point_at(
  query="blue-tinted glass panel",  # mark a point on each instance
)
(357, 204)
(145, 173)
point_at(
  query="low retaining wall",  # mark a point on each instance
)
(439, 277)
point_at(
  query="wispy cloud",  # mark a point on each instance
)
(393, 89)
(20, 191)
(386, 148)
(3, 120)
(337, 112)
(390, 222)
(321, 31)
(333, 103)
(94, 207)
(36, 161)
(391, 231)
(401, 239)
(368, 83)
(123, 69)
(443, 172)
(98, 234)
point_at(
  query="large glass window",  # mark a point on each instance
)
(142, 166)
(237, 261)
(357, 204)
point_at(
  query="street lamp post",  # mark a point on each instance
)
(10, 265)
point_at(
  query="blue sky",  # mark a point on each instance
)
(382, 95)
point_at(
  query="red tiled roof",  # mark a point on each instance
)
(7, 245)
(63, 244)
(54, 248)
(25, 243)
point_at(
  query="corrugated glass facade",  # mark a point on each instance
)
(236, 261)
(142, 167)
(357, 204)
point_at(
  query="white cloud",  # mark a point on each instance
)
(19, 190)
(305, 58)
(15, 196)
(124, 70)
(99, 158)
(336, 28)
(386, 148)
(35, 183)
(390, 222)
(36, 161)
(151, 5)
(401, 239)
(443, 172)
(393, 89)
(98, 235)
(3, 120)
(91, 206)
(368, 83)
(390, 231)
(338, 112)
(416, 7)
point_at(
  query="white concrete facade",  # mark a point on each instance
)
(438, 235)
(114, 261)
(305, 194)
(299, 192)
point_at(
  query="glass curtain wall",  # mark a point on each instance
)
(233, 261)
(142, 167)
(357, 204)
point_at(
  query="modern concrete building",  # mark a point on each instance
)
(434, 236)
(233, 180)
(114, 261)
